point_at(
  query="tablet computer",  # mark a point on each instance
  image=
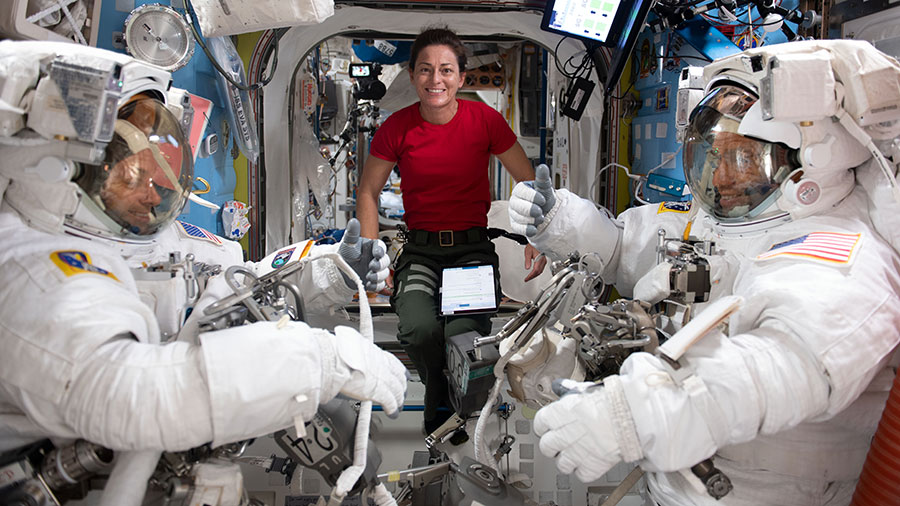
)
(468, 289)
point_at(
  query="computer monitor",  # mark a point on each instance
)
(628, 37)
(615, 24)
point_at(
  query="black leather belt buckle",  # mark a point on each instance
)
(445, 237)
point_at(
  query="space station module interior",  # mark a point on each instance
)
(719, 326)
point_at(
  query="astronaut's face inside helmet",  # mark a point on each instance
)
(146, 175)
(733, 177)
(130, 193)
(738, 178)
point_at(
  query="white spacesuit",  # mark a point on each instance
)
(95, 341)
(786, 397)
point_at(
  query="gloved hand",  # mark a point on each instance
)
(367, 257)
(370, 373)
(531, 201)
(583, 430)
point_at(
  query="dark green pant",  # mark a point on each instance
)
(421, 330)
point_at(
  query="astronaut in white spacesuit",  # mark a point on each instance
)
(787, 396)
(95, 169)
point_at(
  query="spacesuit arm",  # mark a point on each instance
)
(728, 391)
(797, 353)
(242, 382)
(736, 388)
(82, 372)
(575, 224)
(762, 381)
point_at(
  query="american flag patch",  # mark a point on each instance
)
(197, 232)
(827, 247)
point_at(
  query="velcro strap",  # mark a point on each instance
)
(622, 420)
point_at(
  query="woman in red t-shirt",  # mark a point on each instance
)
(442, 146)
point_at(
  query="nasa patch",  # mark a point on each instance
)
(674, 207)
(282, 257)
(77, 262)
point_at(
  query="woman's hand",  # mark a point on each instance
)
(534, 260)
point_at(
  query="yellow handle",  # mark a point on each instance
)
(203, 190)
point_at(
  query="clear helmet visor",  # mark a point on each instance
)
(145, 179)
(733, 177)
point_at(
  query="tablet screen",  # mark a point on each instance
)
(468, 289)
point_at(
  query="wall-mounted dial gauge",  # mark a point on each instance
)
(158, 34)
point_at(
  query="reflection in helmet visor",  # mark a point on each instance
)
(144, 181)
(731, 176)
(165, 151)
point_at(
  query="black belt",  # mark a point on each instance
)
(448, 237)
(452, 237)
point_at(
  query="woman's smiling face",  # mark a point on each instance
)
(437, 77)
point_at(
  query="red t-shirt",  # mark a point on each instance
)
(444, 168)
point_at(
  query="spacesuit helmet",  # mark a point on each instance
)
(144, 179)
(90, 143)
(734, 177)
(780, 129)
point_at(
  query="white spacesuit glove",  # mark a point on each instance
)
(368, 372)
(367, 257)
(588, 430)
(530, 202)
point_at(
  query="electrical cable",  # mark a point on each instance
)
(677, 3)
(667, 160)
(640, 178)
(624, 93)
(192, 19)
(637, 191)
(556, 58)
(582, 70)
(586, 62)
(747, 8)
(667, 56)
(685, 56)
(756, 25)
(612, 164)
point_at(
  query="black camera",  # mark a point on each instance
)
(368, 85)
